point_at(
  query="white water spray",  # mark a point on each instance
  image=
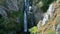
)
(48, 14)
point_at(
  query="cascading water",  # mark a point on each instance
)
(48, 14)
(50, 10)
(25, 22)
(12, 5)
(26, 6)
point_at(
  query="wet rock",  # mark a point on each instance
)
(58, 29)
(3, 13)
(17, 20)
(38, 13)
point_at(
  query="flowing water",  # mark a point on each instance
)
(26, 5)
(25, 22)
(48, 14)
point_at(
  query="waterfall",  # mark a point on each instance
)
(26, 8)
(45, 19)
(25, 18)
(48, 14)
(25, 22)
(12, 5)
(50, 10)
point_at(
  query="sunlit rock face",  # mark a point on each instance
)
(53, 20)
(3, 13)
(57, 1)
(39, 23)
(12, 5)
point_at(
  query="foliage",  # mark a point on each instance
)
(44, 4)
(33, 30)
(10, 24)
(40, 4)
(6, 26)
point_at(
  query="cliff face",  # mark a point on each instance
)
(53, 21)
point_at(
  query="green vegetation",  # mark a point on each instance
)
(10, 25)
(33, 30)
(44, 4)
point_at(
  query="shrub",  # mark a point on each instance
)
(33, 30)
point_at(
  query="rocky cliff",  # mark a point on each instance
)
(52, 24)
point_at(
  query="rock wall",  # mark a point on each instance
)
(53, 22)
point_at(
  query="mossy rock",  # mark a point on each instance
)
(51, 32)
(57, 20)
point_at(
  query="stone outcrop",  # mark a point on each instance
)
(53, 20)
